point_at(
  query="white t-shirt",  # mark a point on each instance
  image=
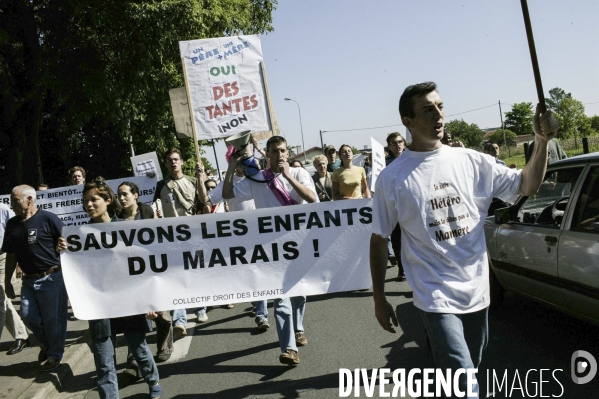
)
(440, 199)
(235, 204)
(262, 194)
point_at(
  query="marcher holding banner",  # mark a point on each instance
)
(178, 196)
(30, 239)
(290, 186)
(101, 205)
(440, 196)
(210, 197)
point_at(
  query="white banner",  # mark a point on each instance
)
(377, 161)
(127, 268)
(226, 85)
(67, 202)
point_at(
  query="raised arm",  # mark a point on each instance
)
(228, 192)
(545, 127)
(304, 192)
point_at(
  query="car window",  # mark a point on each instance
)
(586, 212)
(546, 207)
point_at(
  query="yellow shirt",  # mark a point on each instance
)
(349, 181)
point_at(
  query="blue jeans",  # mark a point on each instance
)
(180, 317)
(289, 316)
(105, 359)
(261, 311)
(44, 310)
(458, 340)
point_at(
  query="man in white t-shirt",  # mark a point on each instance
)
(440, 196)
(277, 186)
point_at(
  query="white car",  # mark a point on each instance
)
(546, 246)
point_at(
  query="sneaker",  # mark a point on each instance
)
(50, 364)
(263, 324)
(179, 331)
(289, 357)
(253, 311)
(162, 357)
(43, 355)
(230, 306)
(202, 316)
(401, 276)
(300, 339)
(156, 391)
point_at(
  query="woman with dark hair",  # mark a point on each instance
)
(349, 181)
(102, 207)
(128, 194)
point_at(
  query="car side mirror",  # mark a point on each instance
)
(502, 215)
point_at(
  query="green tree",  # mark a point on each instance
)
(81, 78)
(471, 135)
(594, 120)
(519, 119)
(497, 137)
(571, 119)
(556, 97)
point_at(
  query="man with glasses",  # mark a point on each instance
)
(178, 196)
(395, 146)
(29, 239)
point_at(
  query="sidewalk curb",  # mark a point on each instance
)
(53, 387)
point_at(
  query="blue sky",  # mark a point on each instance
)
(347, 62)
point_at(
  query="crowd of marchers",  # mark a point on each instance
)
(449, 278)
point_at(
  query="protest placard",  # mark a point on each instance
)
(378, 161)
(126, 268)
(226, 86)
(67, 202)
(146, 164)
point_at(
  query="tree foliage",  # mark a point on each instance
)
(78, 79)
(471, 135)
(497, 137)
(519, 119)
(571, 119)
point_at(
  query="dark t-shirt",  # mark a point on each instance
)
(334, 166)
(33, 241)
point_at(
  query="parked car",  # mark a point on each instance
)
(546, 246)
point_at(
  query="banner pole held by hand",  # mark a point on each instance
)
(533, 56)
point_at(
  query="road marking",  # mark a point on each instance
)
(182, 344)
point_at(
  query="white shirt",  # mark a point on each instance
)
(440, 199)
(235, 204)
(263, 196)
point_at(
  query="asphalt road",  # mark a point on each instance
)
(228, 358)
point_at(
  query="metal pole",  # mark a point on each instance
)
(503, 131)
(321, 143)
(301, 127)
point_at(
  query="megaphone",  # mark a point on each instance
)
(243, 148)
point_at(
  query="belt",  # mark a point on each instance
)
(42, 274)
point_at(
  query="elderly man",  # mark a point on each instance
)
(440, 198)
(9, 316)
(276, 186)
(30, 239)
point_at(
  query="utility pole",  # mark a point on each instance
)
(321, 142)
(503, 131)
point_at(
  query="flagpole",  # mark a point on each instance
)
(533, 56)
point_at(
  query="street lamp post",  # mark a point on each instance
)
(301, 127)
